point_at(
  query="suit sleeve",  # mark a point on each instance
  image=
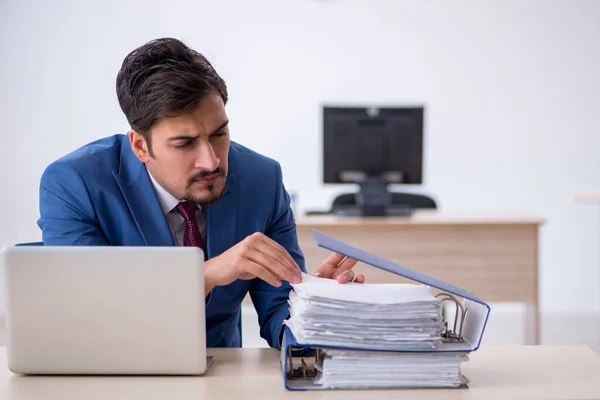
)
(67, 216)
(271, 302)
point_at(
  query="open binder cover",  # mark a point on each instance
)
(475, 313)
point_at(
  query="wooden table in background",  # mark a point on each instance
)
(495, 257)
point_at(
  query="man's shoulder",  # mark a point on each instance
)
(245, 160)
(106, 151)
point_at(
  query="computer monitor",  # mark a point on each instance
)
(373, 147)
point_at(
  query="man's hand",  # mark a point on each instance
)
(339, 267)
(256, 256)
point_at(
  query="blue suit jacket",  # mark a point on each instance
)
(101, 194)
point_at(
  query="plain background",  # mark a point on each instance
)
(511, 92)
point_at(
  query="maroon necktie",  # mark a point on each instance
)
(191, 236)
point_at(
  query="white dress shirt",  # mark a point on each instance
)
(176, 222)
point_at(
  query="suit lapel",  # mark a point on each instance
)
(221, 219)
(137, 189)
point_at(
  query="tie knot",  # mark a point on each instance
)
(188, 210)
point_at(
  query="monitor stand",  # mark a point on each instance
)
(373, 200)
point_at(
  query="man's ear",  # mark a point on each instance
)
(139, 146)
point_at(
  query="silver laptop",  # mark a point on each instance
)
(105, 310)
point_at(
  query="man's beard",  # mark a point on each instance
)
(213, 195)
(212, 198)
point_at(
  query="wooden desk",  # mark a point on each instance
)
(494, 257)
(519, 372)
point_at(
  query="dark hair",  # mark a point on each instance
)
(164, 78)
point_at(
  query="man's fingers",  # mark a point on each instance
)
(346, 265)
(324, 271)
(276, 263)
(332, 272)
(329, 267)
(347, 276)
(281, 253)
(262, 273)
(273, 264)
(333, 260)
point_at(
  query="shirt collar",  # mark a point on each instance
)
(167, 201)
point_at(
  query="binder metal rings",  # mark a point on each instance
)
(454, 334)
(304, 370)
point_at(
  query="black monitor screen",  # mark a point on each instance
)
(382, 143)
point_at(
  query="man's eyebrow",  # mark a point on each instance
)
(195, 136)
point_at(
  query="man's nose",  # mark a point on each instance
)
(206, 158)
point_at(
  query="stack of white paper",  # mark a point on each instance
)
(377, 318)
(362, 369)
(365, 316)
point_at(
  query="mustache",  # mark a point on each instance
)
(204, 174)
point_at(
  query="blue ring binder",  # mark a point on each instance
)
(464, 336)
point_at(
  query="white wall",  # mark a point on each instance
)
(511, 91)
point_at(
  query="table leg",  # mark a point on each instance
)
(532, 324)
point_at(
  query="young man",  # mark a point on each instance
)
(176, 179)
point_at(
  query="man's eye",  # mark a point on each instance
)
(219, 134)
(183, 145)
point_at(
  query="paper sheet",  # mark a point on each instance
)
(368, 293)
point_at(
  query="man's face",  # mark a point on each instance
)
(189, 152)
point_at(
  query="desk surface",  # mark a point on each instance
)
(424, 217)
(532, 372)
